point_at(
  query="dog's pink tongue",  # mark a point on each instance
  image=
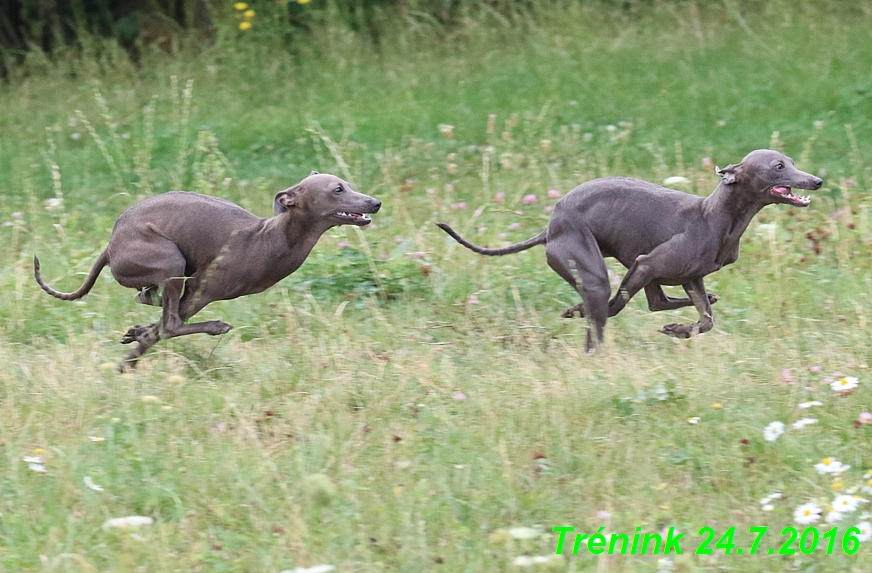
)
(782, 190)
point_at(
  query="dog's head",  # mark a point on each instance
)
(329, 199)
(772, 175)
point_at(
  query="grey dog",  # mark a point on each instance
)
(195, 249)
(663, 236)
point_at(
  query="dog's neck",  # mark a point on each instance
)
(729, 210)
(293, 235)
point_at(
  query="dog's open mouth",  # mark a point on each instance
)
(353, 218)
(784, 193)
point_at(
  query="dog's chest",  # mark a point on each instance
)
(728, 251)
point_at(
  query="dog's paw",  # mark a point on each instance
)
(139, 333)
(677, 330)
(127, 366)
(133, 334)
(573, 310)
(713, 298)
(217, 327)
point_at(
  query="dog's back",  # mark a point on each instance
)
(627, 216)
(195, 223)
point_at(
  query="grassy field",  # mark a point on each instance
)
(399, 403)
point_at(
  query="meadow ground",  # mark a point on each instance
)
(403, 404)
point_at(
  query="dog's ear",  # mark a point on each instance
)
(728, 173)
(286, 199)
(313, 173)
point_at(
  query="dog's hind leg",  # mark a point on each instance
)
(146, 264)
(696, 291)
(576, 257)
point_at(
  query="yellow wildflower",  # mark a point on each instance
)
(717, 406)
(244, 25)
(249, 14)
(303, 1)
(240, 5)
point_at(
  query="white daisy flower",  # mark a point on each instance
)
(833, 516)
(768, 507)
(524, 533)
(54, 204)
(38, 468)
(527, 561)
(675, 180)
(845, 384)
(865, 531)
(831, 466)
(773, 431)
(694, 420)
(90, 483)
(807, 513)
(845, 503)
(315, 569)
(129, 521)
(809, 404)
(800, 424)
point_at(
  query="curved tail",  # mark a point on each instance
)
(539, 239)
(101, 262)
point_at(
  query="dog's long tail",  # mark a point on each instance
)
(101, 262)
(539, 239)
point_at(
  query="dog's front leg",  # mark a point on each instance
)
(657, 299)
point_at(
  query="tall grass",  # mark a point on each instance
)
(400, 403)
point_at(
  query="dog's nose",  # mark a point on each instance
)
(378, 206)
(817, 182)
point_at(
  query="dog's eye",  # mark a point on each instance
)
(779, 167)
(338, 190)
